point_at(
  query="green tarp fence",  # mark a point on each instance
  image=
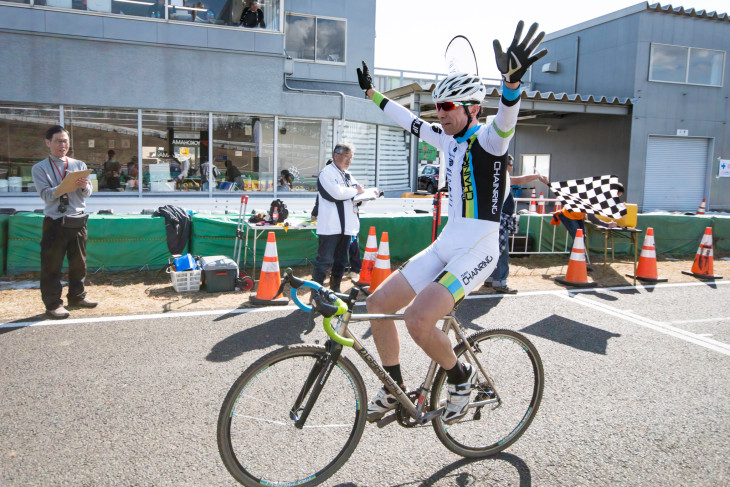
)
(4, 219)
(115, 242)
(215, 235)
(124, 242)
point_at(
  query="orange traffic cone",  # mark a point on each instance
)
(270, 278)
(368, 260)
(533, 207)
(558, 206)
(381, 270)
(701, 211)
(577, 274)
(541, 204)
(647, 270)
(703, 266)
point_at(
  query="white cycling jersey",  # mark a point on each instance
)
(476, 173)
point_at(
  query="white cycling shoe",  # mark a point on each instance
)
(381, 404)
(459, 394)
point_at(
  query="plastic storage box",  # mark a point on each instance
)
(219, 273)
(185, 281)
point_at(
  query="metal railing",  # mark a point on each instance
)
(535, 234)
(386, 79)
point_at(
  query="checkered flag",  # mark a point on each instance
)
(597, 194)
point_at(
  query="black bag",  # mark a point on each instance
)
(75, 221)
(278, 207)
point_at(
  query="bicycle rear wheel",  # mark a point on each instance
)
(257, 439)
(515, 369)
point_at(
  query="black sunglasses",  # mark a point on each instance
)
(447, 106)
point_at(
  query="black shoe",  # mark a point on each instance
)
(504, 290)
(59, 313)
(84, 303)
(488, 284)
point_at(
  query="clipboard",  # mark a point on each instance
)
(367, 195)
(69, 182)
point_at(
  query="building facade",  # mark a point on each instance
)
(164, 86)
(672, 64)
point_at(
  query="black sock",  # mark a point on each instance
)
(457, 374)
(394, 373)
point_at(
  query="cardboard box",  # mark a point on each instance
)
(219, 273)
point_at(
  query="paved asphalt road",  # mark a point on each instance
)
(637, 388)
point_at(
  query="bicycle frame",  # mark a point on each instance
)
(320, 372)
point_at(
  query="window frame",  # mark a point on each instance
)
(689, 50)
(316, 17)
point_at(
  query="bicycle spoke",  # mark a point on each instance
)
(262, 421)
(502, 408)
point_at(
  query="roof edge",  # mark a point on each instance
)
(639, 7)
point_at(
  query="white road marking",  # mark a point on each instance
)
(665, 328)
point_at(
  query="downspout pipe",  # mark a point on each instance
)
(577, 57)
(303, 90)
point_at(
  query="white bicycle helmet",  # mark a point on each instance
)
(459, 87)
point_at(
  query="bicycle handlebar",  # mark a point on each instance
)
(325, 302)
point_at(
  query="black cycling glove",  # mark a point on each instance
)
(514, 63)
(364, 78)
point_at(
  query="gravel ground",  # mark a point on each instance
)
(152, 292)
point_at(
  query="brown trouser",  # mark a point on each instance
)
(58, 242)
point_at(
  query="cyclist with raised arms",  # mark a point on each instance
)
(437, 279)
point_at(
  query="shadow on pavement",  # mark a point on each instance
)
(286, 330)
(464, 479)
(571, 333)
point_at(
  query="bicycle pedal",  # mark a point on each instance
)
(386, 420)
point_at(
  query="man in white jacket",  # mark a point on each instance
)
(337, 220)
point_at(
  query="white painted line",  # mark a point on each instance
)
(693, 338)
(703, 320)
(184, 314)
(157, 316)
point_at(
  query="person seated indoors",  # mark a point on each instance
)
(233, 174)
(253, 16)
(112, 169)
(286, 181)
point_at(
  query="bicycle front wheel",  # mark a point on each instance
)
(257, 438)
(507, 407)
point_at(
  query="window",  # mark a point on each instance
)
(22, 132)
(214, 12)
(534, 163)
(364, 137)
(318, 39)
(304, 150)
(243, 149)
(686, 65)
(174, 147)
(106, 140)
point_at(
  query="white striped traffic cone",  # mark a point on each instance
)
(703, 267)
(701, 210)
(533, 207)
(368, 260)
(270, 278)
(381, 269)
(541, 204)
(647, 268)
(577, 274)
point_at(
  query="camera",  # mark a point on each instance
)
(63, 204)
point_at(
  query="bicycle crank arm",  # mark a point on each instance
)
(425, 418)
(386, 420)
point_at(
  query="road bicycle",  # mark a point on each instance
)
(295, 416)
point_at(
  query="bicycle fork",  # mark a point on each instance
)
(316, 380)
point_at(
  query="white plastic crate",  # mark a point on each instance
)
(185, 281)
